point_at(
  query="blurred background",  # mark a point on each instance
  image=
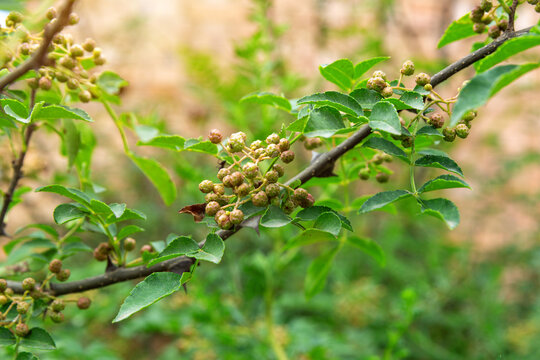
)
(473, 293)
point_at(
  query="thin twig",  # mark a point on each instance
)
(512, 16)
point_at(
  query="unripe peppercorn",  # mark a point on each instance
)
(312, 143)
(15, 16)
(76, 51)
(236, 216)
(222, 173)
(284, 144)
(227, 181)
(72, 84)
(494, 32)
(3, 300)
(215, 136)
(237, 178)
(387, 157)
(99, 61)
(299, 195)
(99, 254)
(219, 189)
(487, 19)
(272, 139)
(58, 305)
(422, 79)
(289, 206)
(376, 83)
(428, 87)
(212, 208)
(24, 49)
(436, 120)
(22, 307)
(382, 177)
(449, 134)
(271, 176)
(28, 284)
(57, 317)
(129, 244)
(486, 5)
(259, 153)
(259, 199)
(83, 303)
(307, 202)
(532, 2)
(469, 115)
(479, 28)
(272, 190)
(55, 266)
(89, 45)
(257, 144)
(3, 285)
(387, 92)
(61, 77)
(51, 13)
(85, 96)
(9, 292)
(379, 73)
(378, 159)
(537, 8)
(502, 24)
(476, 14)
(67, 62)
(250, 170)
(36, 294)
(206, 186)
(21, 330)
(224, 222)
(272, 150)
(287, 156)
(63, 275)
(364, 173)
(73, 19)
(462, 131)
(45, 83)
(279, 169)
(211, 197)
(33, 83)
(147, 248)
(408, 68)
(242, 190)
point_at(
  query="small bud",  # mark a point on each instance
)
(272, 150)
(51, 13)
(22, 307)
(387, 92)
(227, 181)
(73, 19)
(99, 61)
(502, 24)
(307, 202)
(469, 115)
(408, 68)
(129, 244)
(422, 79)
(222, 173)
(364, 173)
(271, 176)
(449, 134)
(9, 292)
(378, 159)
(494, 32)
(206, 186)
(436, 120)
(63, 275)
(45, 83)
(284, 144)
(73, 84)
(67, 62)
(219, 189)
(24, 49)
(257, 144)
(300, 195)
(260, 199)
(236, 216)
(211, 197)
(85, 96)
(462, 131)
(382, 177)
(428, 87)
(58, 305)
(28, 284)
(83, 303)
(21, 330)
(479, 28)
(287, 156)
(215, 136)
(56, 317)
(55, 266)
(15, 16)
(272, 139)
(89, 44)
(3, 300)
(279, 169)
(76, 51)
(272, 190)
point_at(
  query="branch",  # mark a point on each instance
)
(479, 54)
(317, 167)
(512, 16)
(40, 56)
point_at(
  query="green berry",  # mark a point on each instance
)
(260, 199)
(479, 28)
(236, 216)
(206, 186)
(89, 45)
(28, 284)
(462, 131)
(387, 92)
(224, 221)
(376, 83)
(299, 195)
(3, 285)
(272, 190)
(9, 292)
(212, 208)
(83, 303)
(21, 330)
(51, 13)
(58, 305)
(55, 266)
(67, 62)
(242, 190)
(469, 115)
(449, 134)
(22, 307)
(15, 16)
(279, 169)
(63, 275)
(85, 96)
(73, 19)
(227, 181)
(428, 87)
(379, 73)
(215, 136)
(129, 244)
(76, 51)
(219, 189)
(3, 300)
(287, 156)
(33, 83)
(57, 317)
(532, 2)
(537, 8)
(73, 84)
(476, 14)
(222, 173)
(422, 79)
(312, 143)
(487, 19)
(272, 150)
(436, 120)
(257, 144)
(271, 176)
(272, 139)
(387, 158)
(250, 170)
(284, 144)
(494, 32)
(382, 177)
(99, 61)
(364, 173)
(486, 5)
(237, 178)
(378, 159)
(408, 68)
(45, 83)
(259, 153)
(211, 197)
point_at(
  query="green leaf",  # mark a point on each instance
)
(442, 209)
(128, 214)
(275, 217)
(172, 142)
(368, 246)
(110, 82)
(157, 174)
(73, 194)
(146, 132)
(337, 100)
(266, 98)
(383, 198)
(67, 212)
(340, 72)
(483, 86)
(117, 209)
(443, 182)
(152, 289)
(6, 337)
(318, 272)
(308, 237)
(398, 104)
(386, 146)
(384, 117)
(128, 230)
(75, 247)
(441, 162)
(99, 207)
(312, 213)
(509, 48)
(38, 338)
(366, 98)
(363, 66)
(72, 141)
(459, 29)
(16, 109)
(197, 145)
(24, 355)
(413, 99)
(429, 131)
(182, 245)
(212, 249)
(358, 202)
(328, 222)
(53, 112)
(323, 122)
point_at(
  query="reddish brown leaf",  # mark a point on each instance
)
(197, 210)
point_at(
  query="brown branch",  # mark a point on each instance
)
(317, 167)
(512, 16)
(40, 55)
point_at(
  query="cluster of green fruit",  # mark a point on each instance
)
(485, 14)
(104, 250)
(536, 4)
(24, 304)
(67, 62)
(248, 182)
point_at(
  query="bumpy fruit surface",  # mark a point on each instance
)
(57, 317)
(376, 83)
(479, 28)
(224, 221)
(494, 32)
(284, 144)
(215, 136)
(21, 330)
(387, 92)
(272, 139)
(486, 5)
(469, 115)
(260, 199)
(3, 285)
(287, 156)
(272, 190)
(211, 197)
(22, 307)
(206, 186)
(379, 73)
(436, 120)
(408, 68)
(312, 143)
(271, 176)
(422, 79)
(222, 173)
(382, 177)
(242, 190)
(250, 170)
(237, 178)
(28, 284)
(3, 300)
(272, 150)
(449, 134)
(212, 208)
(279, 169)
(129, 244)
(219, 189)
(476, 14)
(83, 303)
(462, 131)
(58, 305)
(364, 174)
(63, 275)
(236, 216)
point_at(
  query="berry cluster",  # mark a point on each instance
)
(485, 16)
(536, 4)
(24, 304)
(248, 182)
(67, 61)
(375, 164)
